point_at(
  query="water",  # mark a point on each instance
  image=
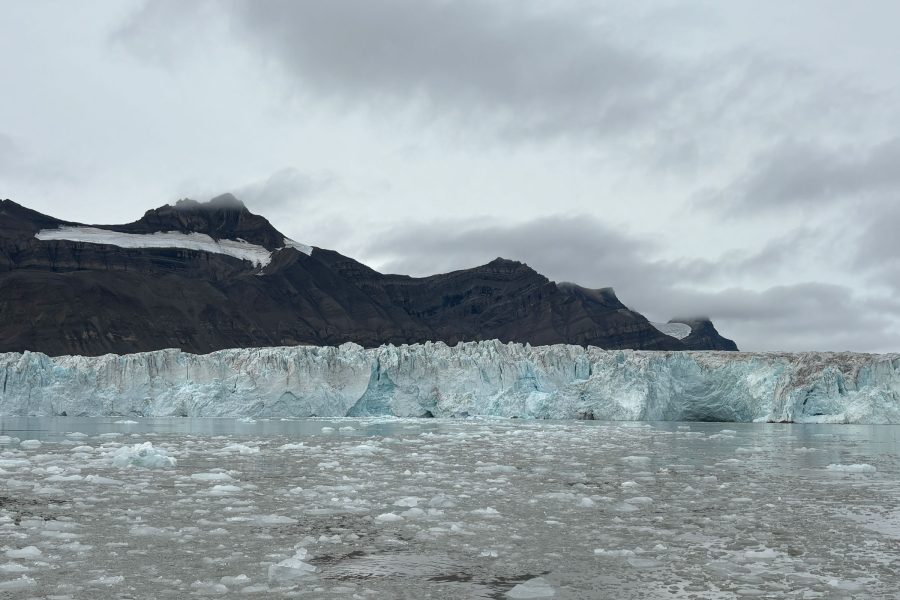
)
(375, 508)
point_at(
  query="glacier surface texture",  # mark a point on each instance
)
(470, 379)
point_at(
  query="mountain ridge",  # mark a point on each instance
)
(176, 277)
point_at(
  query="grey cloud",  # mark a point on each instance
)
(811, 174)
(522, 69)
(17, 163)
(551, 69)
(285, 189)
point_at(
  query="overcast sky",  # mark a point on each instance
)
(734, 159)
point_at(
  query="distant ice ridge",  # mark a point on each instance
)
(471, 379)
(241, 249)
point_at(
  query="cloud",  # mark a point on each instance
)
(18, 164)
(285, 189)
(810, 174)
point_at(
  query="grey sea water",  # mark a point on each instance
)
(394, 508)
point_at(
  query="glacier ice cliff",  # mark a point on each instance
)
(469, 379)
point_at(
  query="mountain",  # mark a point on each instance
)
(209, 276)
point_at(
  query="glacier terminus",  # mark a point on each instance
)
(487, 378)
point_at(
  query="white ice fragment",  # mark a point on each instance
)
(533, 588)
(297, 446)
(241, 449)
(854, 468)
(22, 583)
(142, 455)
(108, 580)
(486, 512)
(271, 520)
(28, 552)
(765, 554)
(211, 477)
(388, 518)
(125, 422)
(224, 490)
(30, 444)
(408, 501)
(291, 569)
(614, 553)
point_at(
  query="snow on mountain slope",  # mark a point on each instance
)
(239, 248)
(679, 331)
(477, 378)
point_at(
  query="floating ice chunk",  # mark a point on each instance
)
(636, 460)
(12, 567)
(126, 422)
(22, 583)
(271, 520)
(586, 502)
(640, 500)
(347, 428)
(109, 580)
(388, 518)
(643, 563)
(29, 552)
(854, 468)
(224, 490)
(6, 440)
(82, 449)
(239, 580)
(765, 554)
(209, 588)
(364, 450)
(30, 444)
(291, 569)
(142, 455)
(615, 553)
(241, 449)
(408, 501)
(211, 477)
(533, 588)
(328, 429)
(146, 530)
(297, 446)
(413, 513)
(486, 512)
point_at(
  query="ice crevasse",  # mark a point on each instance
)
(487, 378)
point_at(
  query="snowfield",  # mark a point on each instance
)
(240, 249)
(470, 379)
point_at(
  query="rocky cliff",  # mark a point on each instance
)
(209, 276)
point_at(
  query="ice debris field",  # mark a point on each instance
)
(413, 508)
(477, 378)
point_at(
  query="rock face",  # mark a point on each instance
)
(475, 378)
(210, 276)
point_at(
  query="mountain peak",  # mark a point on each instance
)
(221, 202)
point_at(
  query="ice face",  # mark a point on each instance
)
(478, 378)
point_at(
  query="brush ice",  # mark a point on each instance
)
(476, 378)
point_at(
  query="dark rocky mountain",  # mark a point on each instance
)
(92, 295)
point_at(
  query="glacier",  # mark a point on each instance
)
(487, 378)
